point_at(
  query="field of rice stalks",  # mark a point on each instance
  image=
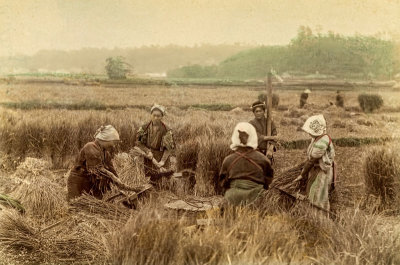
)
(38, 147)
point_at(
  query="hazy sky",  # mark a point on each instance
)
(27, 26)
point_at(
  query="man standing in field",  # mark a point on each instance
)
(265, 145)
(156, 140)
(304, 97)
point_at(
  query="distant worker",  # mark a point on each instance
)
(319, 170)
(94, 172)
(304, 97)
(265, 145)
(245, 173)
(339, 99)
(156, 140)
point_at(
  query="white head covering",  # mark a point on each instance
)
(307, 91)
(315, 125)
(158, 107)
(107, 133)
(250, 130)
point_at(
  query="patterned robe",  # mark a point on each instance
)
(156, 139)
(320, 170)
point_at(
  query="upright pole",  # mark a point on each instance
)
(269, 102)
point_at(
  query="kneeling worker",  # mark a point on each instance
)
(246, 172)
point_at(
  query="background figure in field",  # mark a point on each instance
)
(304, 97)
(319, 169)
(339, 99)
(245, 173)
(156, 140)
(93, 166)
(260, 124)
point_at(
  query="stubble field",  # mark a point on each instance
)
(53, 232)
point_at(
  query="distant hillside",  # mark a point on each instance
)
(328, 54)
(152, 59)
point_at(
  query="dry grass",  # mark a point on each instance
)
(24, 241)
(41, 198)
(382, 179)
(100, 232)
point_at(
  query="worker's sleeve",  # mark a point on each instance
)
(141, 139)
(168, 142)
(92, 157)
(223, 174)
(320, 147)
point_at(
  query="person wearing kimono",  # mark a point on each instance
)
(93, 165)
(155, 138)
(245, 173)
(260, 124)
(319, 169)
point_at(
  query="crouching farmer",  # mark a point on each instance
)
(94, 172)
(155, 139)
(247, 172)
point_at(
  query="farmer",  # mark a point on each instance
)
(259, 122)
(339, 99)
(93, 171)
(319, 170)
(304, 97)
(245, 173)
(156, 140)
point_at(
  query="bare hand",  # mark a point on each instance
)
(150, 155)
(163, 170)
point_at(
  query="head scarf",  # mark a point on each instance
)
(307, 91)
(158, 107)
(107, 133)
(315, 125)
(258, 104)
(246, 127)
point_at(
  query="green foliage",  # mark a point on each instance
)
(370, 102)
(321, 55)
(116, 68)
(264, 98)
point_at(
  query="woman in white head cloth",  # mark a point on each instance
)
(156, 140)
(93, 165)
(319, 168)
(247, 172)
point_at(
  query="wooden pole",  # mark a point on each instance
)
(269, 103)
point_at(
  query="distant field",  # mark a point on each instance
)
(172, 95)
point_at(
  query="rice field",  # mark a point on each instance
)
(38, 147)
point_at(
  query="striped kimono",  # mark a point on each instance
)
(319, 170)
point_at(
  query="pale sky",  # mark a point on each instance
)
(27, 26)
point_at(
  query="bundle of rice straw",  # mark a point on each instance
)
(212, 152)
(101, 208)
(273, 200)
(128, 169)
(41, 198)
(32, 168)
(382, 179)
(25, 241)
